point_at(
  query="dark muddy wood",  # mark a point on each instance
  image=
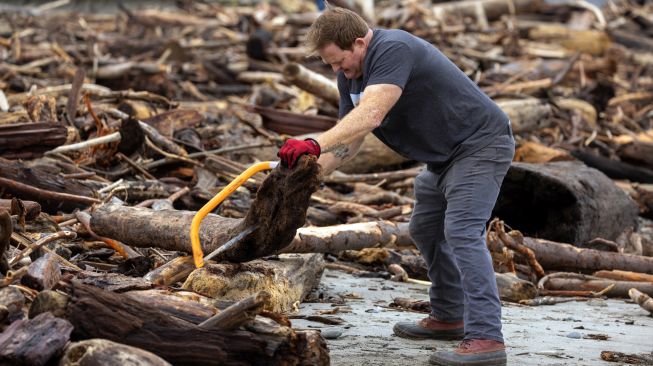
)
(565, 202)
(35, 341)
(100, 314)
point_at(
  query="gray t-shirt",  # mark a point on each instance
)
(441, 115)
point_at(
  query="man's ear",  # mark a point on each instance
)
(360, 42)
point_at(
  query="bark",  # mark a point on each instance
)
(287, 280)
(43, 273)
(239, 313)
(312, 82)
(29, 209)
(38, 183)
(559, 256)
(564, 201)
(6, 229)
(290, 123)
(100, 314)
(30, 140)
(187, 309)
(34, 342)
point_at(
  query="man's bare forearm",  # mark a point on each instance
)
(335, 155)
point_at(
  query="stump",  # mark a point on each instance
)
(564, 201)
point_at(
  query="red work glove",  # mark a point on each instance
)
(292, 149)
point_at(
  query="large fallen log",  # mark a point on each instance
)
(278, 210)
(611, 288)
(95, 313)
(564, 201)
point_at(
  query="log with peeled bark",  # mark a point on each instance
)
(564, 201)
(278, 210)
(312, 82)
(95, 313)
(641, 299)
(612, 288)
(560, 256)
(526, 115)
(624, 276)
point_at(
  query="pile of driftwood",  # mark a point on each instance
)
(116, 129)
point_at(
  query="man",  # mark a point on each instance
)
(420, 104)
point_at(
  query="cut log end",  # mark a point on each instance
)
(279, 210)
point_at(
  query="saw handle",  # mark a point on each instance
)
(198, 255)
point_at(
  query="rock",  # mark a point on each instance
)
(96, 352)
(51, 301)
(331, 333)
(574, 335)
(13, 300)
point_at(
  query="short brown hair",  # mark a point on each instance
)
(338, 25)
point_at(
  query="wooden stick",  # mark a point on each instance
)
(42, 194)
(238, 313)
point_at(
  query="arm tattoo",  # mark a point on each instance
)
(340, 150)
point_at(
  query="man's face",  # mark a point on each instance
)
(349, 61)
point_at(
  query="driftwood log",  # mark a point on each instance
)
(564, 201)
(278, 210)
(559, 256)
(95, 313)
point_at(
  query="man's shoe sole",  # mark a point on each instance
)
(496, 358)
(441, 335)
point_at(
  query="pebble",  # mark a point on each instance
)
(331, 333)
(574, 335)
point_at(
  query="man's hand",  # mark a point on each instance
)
(292, 149)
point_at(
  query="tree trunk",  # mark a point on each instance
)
(559, 256)
(100, 314)
(564, 201)
(102, 352)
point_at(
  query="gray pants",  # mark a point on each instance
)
(448, 227)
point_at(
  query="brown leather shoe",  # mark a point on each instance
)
(430, 328)
(472, 352)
